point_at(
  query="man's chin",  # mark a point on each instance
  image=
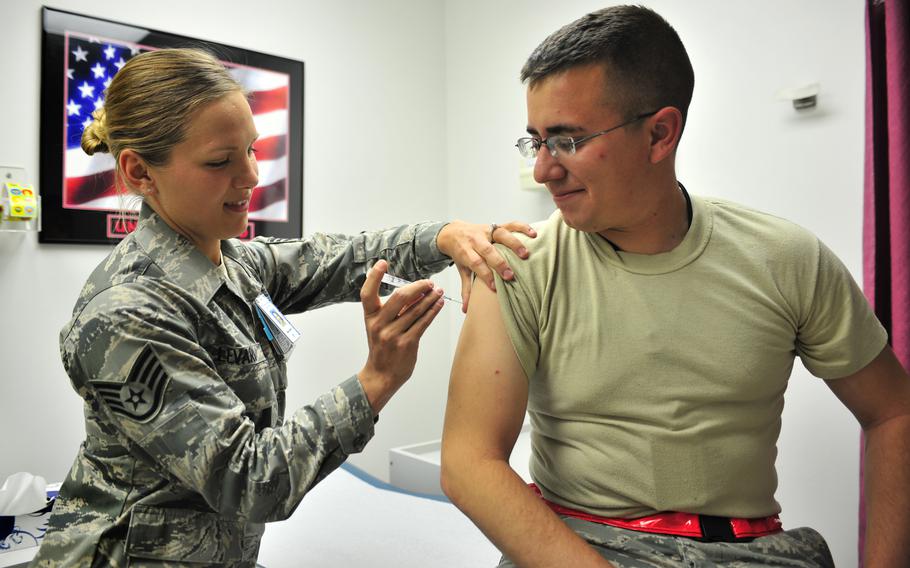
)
(575, 223)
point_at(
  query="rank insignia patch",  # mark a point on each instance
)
(140, 398)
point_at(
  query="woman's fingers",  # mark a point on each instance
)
(402, 300)
(470, 246)
(406, 317)
(481, 259)
(508, 238)
(421, 324)
(490, 256)
(467, 279)
(369, 292)
(519, 227)
(397, 302)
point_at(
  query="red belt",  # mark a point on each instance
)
(689, 525)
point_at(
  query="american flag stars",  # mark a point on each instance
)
(80, 53)
(89, 180)
(89, 71)
(88, 91)
(91, 66)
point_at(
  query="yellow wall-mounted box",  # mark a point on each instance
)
(22, 200)
(20, 203)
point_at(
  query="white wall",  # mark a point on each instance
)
(740, 144)
(411, 109)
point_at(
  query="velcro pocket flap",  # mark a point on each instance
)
(183, 535)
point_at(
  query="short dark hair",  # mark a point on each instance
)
(643, 57)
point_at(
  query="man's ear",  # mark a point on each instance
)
(666, 128)
(135, 172)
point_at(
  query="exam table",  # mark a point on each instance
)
(353, 519)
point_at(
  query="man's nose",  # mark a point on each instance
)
(547, 168)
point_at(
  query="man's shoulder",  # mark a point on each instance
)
(542, 249)
(550, 232)
(766, 229)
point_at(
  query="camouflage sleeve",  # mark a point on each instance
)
(329, 268)
(135, 356)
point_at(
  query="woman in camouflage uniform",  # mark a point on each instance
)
(187, 451)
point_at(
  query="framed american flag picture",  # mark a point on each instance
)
(80, 55)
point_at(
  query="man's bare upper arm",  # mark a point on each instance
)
(488, 389)
(876, 393)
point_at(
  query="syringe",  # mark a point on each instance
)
(399, 282)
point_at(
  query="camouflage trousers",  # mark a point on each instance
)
(796, 548)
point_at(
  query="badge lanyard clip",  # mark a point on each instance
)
(280, 332)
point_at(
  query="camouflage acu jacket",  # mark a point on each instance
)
(187, 451)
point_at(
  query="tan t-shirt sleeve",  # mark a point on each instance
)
(839, 333)
(520, 301)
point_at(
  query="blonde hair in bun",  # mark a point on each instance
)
(94, 137)
(150, 102)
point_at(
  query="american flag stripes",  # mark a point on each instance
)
(89, 181)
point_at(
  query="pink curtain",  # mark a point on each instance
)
(886, 227)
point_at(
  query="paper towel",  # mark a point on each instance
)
(22, 493)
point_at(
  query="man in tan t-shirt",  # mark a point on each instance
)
(650, 339)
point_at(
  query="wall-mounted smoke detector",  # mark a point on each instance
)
(803, 98)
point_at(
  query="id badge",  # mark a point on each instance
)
(278, 329)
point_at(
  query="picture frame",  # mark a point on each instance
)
(80, 55)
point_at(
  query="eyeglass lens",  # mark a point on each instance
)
(556, 145)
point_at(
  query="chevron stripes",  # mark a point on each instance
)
(141, 397)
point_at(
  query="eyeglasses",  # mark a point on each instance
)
(566, 145)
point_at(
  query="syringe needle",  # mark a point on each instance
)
(399, 282)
